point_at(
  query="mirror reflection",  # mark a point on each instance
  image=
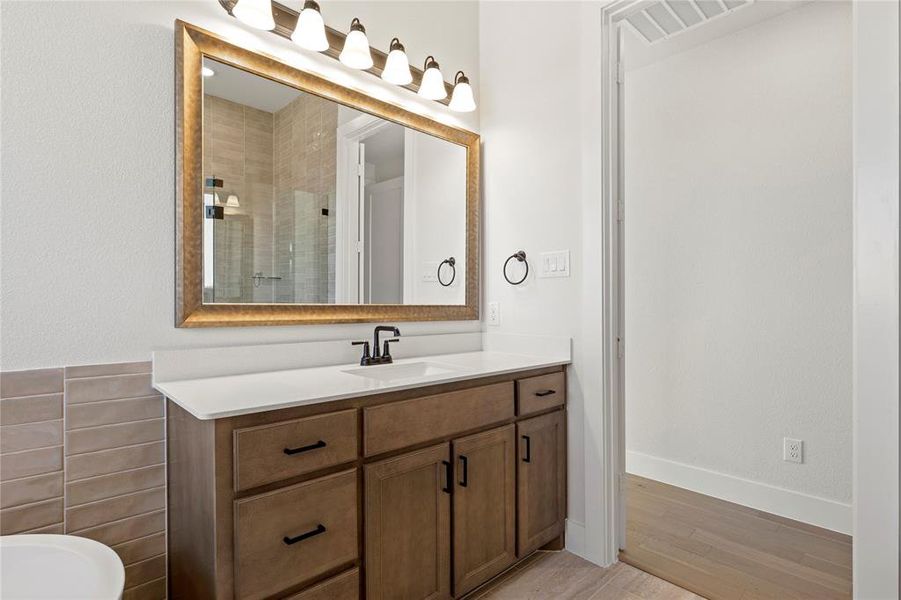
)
(309, 201)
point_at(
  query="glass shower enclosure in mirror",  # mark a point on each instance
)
(309, 201)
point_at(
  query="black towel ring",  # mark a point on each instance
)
(519, 255)
(452, 262)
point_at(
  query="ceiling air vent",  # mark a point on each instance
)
(662, 20)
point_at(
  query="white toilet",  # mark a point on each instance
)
(62, 567)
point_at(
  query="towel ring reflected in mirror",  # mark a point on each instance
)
(452, 263)
(520, 256)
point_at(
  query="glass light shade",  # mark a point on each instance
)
(207, 72)
(310, 30)
(356, 53)
(462, 99)
(255, 13)
(432, 84)
(232, 201)
(397, 66)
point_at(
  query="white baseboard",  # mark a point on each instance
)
(575, 537)
(814, 510)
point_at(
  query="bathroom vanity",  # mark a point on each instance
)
(426, 491)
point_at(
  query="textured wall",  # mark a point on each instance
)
(738, 253)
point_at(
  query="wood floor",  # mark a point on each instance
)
(725, 551)
(565, 576)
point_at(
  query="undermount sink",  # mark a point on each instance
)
(399, 372)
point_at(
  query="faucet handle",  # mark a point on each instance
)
(366, 354)
(386, 351)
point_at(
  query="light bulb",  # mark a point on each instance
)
(310, 30)
(397, 66)
(356, 53)
(432, 84)
(461, 99)
(255, 13)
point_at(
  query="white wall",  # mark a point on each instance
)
(88, 167)
(541, 188)
(434, 218)
(876, 188)
(738, 256)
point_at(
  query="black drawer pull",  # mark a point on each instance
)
(543, 393)
(293, 540)
(527, 457)
(319, 444)
(447, 477)
(465, 463)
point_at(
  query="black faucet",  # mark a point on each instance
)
(377, 358)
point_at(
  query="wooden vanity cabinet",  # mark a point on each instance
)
(407, 512)
(484, 506)
(541, 494)
(419, 494)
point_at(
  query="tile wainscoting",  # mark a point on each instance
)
(82, 452)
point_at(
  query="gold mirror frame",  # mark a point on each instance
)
(192, 44)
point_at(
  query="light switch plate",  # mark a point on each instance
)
(430, 271)
(554, 264)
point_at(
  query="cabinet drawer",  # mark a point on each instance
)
(535, 394)
(345, 586)
(289, 536)
(277, 451)
(400, 424)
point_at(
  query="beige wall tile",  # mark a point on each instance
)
(30, 516)
(105, 437)
(30, 409)
(55, 529)
(107, 412)
(31, 489)
(153, 590)
(103, 462)
(126, 368)
(144, 571)
(116, 484)
(29, 436)
(113, 509)
(125, 530)
(112, 387)
(141, 548)
(31, 383)
(30, 462)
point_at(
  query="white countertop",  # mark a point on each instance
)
(230, 395)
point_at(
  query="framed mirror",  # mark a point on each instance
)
(302, 201)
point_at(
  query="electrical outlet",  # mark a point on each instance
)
(494, 314)
(792, 450)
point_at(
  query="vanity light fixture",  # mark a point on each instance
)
(461, 98)
(356, 53)
(232, 201)
(207, 72)
(397, 66)
(432, 84)
(255, 13)
(310, 30)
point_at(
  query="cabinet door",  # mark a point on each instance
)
(407, 506)
(541, 464)
(484, 506)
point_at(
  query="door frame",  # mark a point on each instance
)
(877, 28)
(349, 205)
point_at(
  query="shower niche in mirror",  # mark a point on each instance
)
(302, 201)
